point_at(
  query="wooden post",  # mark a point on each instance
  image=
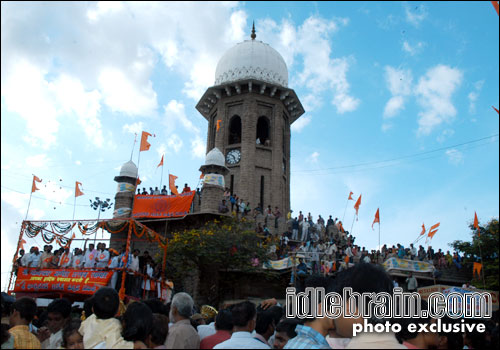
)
(23, 225)
(127, 250)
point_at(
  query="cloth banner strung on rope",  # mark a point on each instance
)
(56, 280)
(407, 265)
(162, 206)
(279, 264)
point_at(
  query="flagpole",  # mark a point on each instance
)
(480, 256)
(74, 207)
(379, 233)
(161, 179)
(135, 140)
(29, 203)
(352, 224)
(345, 209)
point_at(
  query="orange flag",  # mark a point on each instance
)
(144, 141)
(495, 5)
(477, 267)
(495, 109)
(356, 206)
(432, 232)
(22, 244)
(218, 124)
(161, 162)
(377, 218)
(78, 193)
(202, 175)
(476, 224)
(423, 229)
(341, 227)
(33, 186)
(350, 196)
(138, 182)
(171, 184)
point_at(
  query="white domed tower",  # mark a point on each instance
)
(124, 198)
(213, 181)
(255, 107)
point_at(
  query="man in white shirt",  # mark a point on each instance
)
(102, 257)
(244, 320)
(26, 257)
(78, 259)
(65, 259)
(305, 230)
(34, 258)
(58, 315)
(90, 255)
(133, 281)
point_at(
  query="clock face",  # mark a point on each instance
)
(233, 156)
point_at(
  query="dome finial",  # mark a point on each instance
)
(253, 36)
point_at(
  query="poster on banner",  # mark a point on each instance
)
(477, 298)
(407, 265)
(31, 280)
(150, 206)
(125, 187)
(280, 264)
(214, 179)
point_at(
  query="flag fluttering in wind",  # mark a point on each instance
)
(171, 184)
(138, 181)
(476, 225)
(495, 5)
(202, 175)
(433, 230)
(477, 267)
(78, 192)
(357, 204)
(218, 124)
(144, 141)
(23, 242)
(377, 218)
(495, 109)
(161, 162)
(341, 228)
(423, 229)
(33, 186)
(350, 196)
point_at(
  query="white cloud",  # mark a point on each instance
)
(415, 14)
(78, 162)
(37, 161)
(174, 143)
(474, 95)
(399, 82)
(301, 123)
(313, 158)
(393, 106)
(445, 135)
(454, 156)
(434, 92)
(198, 147)
(134, 128)
(175, 113)
(103, 8)
(387, 126)
(413, 49)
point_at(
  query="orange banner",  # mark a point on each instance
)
(162, 206)
(31, 280)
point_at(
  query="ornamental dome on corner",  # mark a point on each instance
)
(252, 59)
(129, 169)
(215, 157)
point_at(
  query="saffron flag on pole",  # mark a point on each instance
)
(144, 141)
(202, 175)
(477, 267)
(341, 228)
(495, 109)
(350, 196)
(357, 204)
(161, 162)
(171, 184)
(78, 193)
(476, 224)
(33, 186)
(495, 5)
(377, 218)
(218, 124)
(22, 243)
(433, 230)
(423, 229)
(138, 181)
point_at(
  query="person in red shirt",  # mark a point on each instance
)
(224, 326)
(186, 188)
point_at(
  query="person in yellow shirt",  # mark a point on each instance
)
(22, 313)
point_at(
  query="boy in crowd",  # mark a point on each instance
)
(23, 311)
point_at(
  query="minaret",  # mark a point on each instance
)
(212, 191)
(124, 198)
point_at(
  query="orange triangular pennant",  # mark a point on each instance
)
(78, 193)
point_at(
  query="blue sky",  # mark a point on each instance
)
(379, 81)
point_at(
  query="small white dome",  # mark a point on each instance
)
(215, 157)
(129, 169)
(252, 59)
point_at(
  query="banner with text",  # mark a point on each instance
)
(31, 280)
(407, 265)
(160, 206)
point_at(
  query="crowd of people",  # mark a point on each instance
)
(162, 192)
(106, 322)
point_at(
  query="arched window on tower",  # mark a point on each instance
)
(235, 130)
(263, 132)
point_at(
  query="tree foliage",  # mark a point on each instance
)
(487, 244)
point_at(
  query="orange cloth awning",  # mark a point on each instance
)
(158, 206)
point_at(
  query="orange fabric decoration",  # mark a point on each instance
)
(377, 218)
(171, 184)
(477, 267)
(495, 5)
(138, 182)
(161, 162)
(476, 224)
(495, 109)
(162, 206)
(33, 186)
(433, 230)
(202, 175)
(78, 193)
(358, 203)
(144, 141)
(350, 196)
(22, 243)
(423, 229)
(218, 124)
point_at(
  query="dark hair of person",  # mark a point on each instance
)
(106, 303)
(264, 319)
(5, 333)
(243, 313)
(454, 340)
(159, 329)
(276, 312)
(404, 334)
(61, 306)
(288, 325)
(87, 306)
(137, 322)
(157, 306)
(363, 278)
(224, 320)
(26, 307)
(72, 327)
